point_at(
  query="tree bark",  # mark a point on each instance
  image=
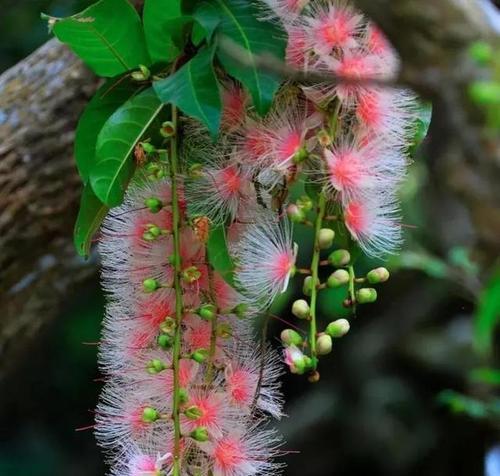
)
(41, 99)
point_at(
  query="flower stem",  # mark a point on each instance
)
(176, 225)
(352, 290)
(314, 272)
(213, 329)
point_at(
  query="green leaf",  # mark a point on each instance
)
(423, 123)
(240, 24)
(115, 145)
(91, 214)
(107, 100)
(218, 254)
(107, 36)
(164, 24)
(486, 376)
(209, 18)
(194, 89)
(487, 316)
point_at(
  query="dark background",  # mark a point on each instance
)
(376, 409)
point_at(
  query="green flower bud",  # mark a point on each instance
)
(168, 325)
(300, 155)
(338, 278)
(323, 344)
(307, 287)
(154, 204)
(199, 434)
(165, 341)
(183, 396)
(148, 147)
(195, 171)
(142, 74)
(366, 295)
(150, 285)
(291, 337)
(338, 328)
(207, 312)
(191, 275)
(324, 138)
(224, 330)
(149, 415)
(200, 355)
(339, 258)
(240, 310)
(296, 214)
(325, 238)
(481, 52)
(301, 309)
(485, 93)
(167, 129)
(193, 412)
(305, 203)
(155, 366)
(378, 275)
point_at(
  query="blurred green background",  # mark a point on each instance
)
(405, 393)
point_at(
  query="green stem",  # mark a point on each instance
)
(352, 290)
(176, 225)
(315, 273)
(213, 330)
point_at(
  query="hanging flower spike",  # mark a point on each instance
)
(374, 223)
(266, 259)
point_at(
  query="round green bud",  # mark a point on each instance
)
(183, 396)
(168, 325)
(300, 155)
(307, 287)
(142, 74)
(338, 328)
(200, 434)
(149, 415)
(191, 275)
(325, 238)
(167, 129)
(165, 341)
(295, 213)
(481, 52)
(366, 295)
(339, 258)
(378, 275)
(207, 312)
(291, 337)
(240, 310)
(305, 203)
(301, 309)
(338, 278)
(154, 204)
(155, 366)
(485, 93)
(150, 285)
(323, 344)
(200, 355)
(193, 412)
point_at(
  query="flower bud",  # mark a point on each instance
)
(295, 360)
(200, 355)
(199, 434)
(338, 278)
(305, 203)
(183, 396)
(338, 328)
(366, 295)
(481, 52)
(193, 412)
(323, 344)
(155, 366)
(300, 155)
(142, 74)
(207, 312)
(314, 377)
(339, 258)
(307, 287)
(301, 309)
(150, 285)
(240, 310)
(195, 171)
(296, 214)
(378, 275)
(324, 138)
(149, 415)
(167, 129)
(154, 204)
(165, 341)
(291, 337)
(168, 325)
(485, 93)
(191, 275)
(224, 330)
(325, 238)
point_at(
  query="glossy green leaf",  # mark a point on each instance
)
(241, 25)
(115, 145)
(422, 125)
(163, 24)
(194, 89)
(487, 316)
(218, 254)
(91, 214)
(208, 17)
(105, 102)
(107, 36)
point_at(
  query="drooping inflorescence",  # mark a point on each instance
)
(190, 389)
